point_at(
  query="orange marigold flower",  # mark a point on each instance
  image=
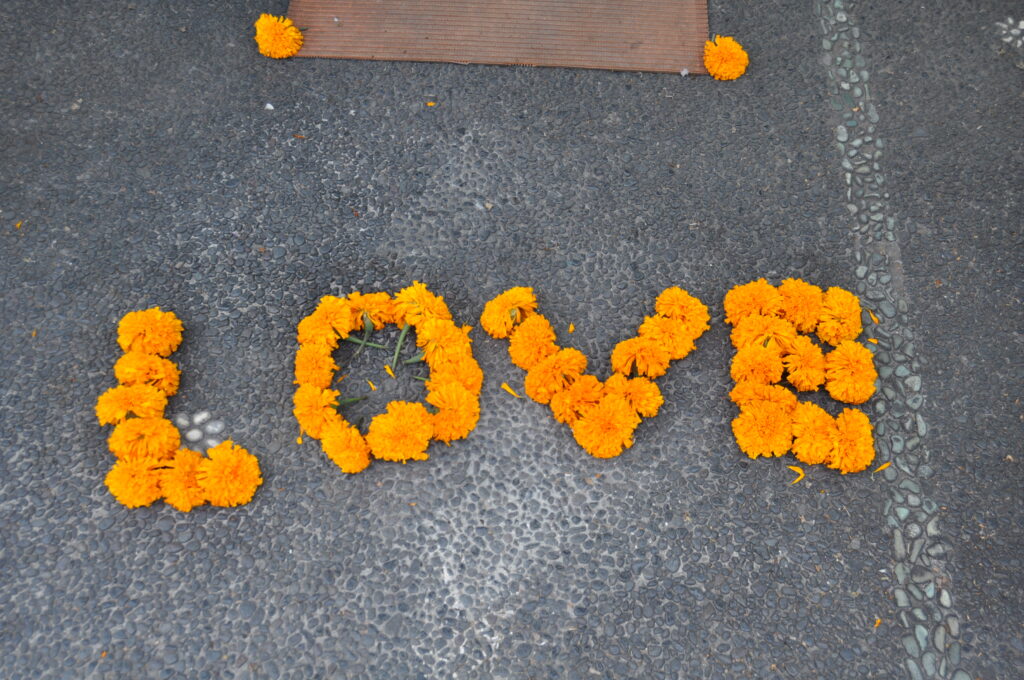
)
(314, 408)
(756, 363)
(571, 403)
(144, 401)
(532, 341)
(277, 37)
(134, 482)
(607, 428)
(763, 428)
(155, 438)
(805, 363)
(673, 334)
(756, 297)
(801, 304)
(314, 366)
(554, 374)
(463, 370)
(855, 445)
(850, 372)
(346, 447)
(441, 340)
(767, 331)
(840, 316)
(502, 313)
(724, 58)
(402, 433)
(229, 476)
(151, 331)
(415, 303)
(676, 303)
(458, 411)
(642, 394)
(379, 307)
(814, 434)
(338, 312)
(748, 391)
(649, 357)
(140, 368)
(317, 329)
(178, 481)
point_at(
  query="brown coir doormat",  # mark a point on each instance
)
(625, 35)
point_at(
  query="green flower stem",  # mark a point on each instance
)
(364, 343)
(398, 347)
(350, 400)
(419, 357)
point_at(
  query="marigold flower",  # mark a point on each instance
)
(139, 368)
(346, 447)
(151, 331)
(767, 331)
(134, 482)
(402, 433)
(532, 341)
(756, 297)
(554, 374)
(458, 411)
(649, 357)
(415, 303)
(314, 408)
(572, 402)
(502, 313)
(277, 37)
(673, 334)
(314, 366)
(814, 434)
(379, 307)
(805, 364)
(229, 475)
(840, 316)
(676, 303)
(463, 370)
(642, 394)
(607, 428)
(317, 330)
(747, 392)
(724, 58)
(178, 481)
(855, 445)
(801, 304)
(155, 438)
(441, 340)
(144, 401)
(339, 313)
(850, 372)
(756, 363)
(763, 428)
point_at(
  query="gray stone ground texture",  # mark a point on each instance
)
(146, 169)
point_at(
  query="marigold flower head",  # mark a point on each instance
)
(767, 331)
(676, 303)
(607, 428)
(415, 303)
(378, 307)
(756, 363)
(748, 391)
(314, 408)
(346, 447)
(801, 304)
(763, 428)
(402, 433)
(850, 372)
(277, 37)
(144, 401)
(805, 364)
(314, 366)
(317, 329)
(178, 481)
(814, 434)
(724, 58)
(463, 370)
(155, 438)
(151, 331)
(641, 393)
(756, 297)
(139, 368)
(339, 313)
(646, 354)
(458, 411)
(441, 340)
(502, 313)
(134, 482)
(672, 334)
(532, 341)
(572, 402)
(229, 475)
(855, 445)
(840, 316)
(554, 374)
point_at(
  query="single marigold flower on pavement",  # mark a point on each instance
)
(463, 370)
(314, 366)
(554, 374)
(607, 428)
(314, 408)
(767, 331)
(814, 434)
(338, 312)
(229, 476)
(676, 303)
(756, 363)
(801, 304)
(673, 334)
(155, 438)
(442, 341)
(647, 355)
(139, 368)
(134, 482)
(748, 391)
(756, 297)
(144, 401)
(458, 411)
(840, 316)
(724, 58)
(317, 330)
(850, 372)
(855, 445)
(805, 364)
(402, 433)
(763, 428)
(642, 394)
(569, 404)
(277, 37)
(532, 341)
(379, 307)
(415, 303)
(346, 447)
(151, 331)
(178, 481)
(504, 312)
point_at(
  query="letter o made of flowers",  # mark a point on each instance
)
(405, 430)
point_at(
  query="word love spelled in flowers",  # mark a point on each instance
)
(150, 465)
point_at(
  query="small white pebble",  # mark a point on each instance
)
(685, 72)
(212, 442)
(269, 107)
(194, 435)
(181, 420)
(214, 427)
(201, 417)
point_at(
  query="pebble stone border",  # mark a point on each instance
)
(199, 428)
(922, 588)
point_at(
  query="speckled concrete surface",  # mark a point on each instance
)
(146, 169)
